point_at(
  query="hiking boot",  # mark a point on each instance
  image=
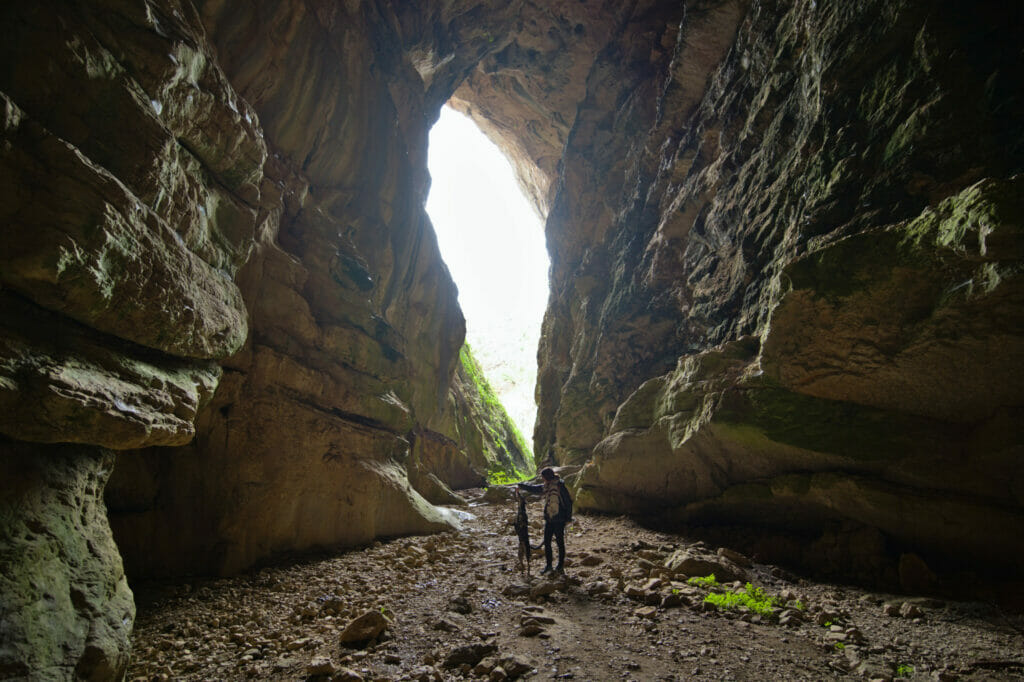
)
(559, 570)
(547, 569)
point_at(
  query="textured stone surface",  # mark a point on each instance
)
(141, 202)
(785, 245)
(344, 392)
(61, 382)
(855, 216)
(65, 608)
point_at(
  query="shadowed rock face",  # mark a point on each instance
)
(786, 254)
(789, 295)
(66, 612)
(216, 242)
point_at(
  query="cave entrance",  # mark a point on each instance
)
(493, 243)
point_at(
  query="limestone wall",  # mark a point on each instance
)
(786, 277)
(785, 285)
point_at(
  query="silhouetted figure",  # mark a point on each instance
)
(557, 511)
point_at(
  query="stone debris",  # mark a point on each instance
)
(287, 622)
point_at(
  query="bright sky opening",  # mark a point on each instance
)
(493, 243)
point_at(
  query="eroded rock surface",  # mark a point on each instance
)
(66, 612)
(785, 245)
(774, 299)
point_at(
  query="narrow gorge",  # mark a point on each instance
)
(786, 287)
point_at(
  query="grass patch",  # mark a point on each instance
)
(904, 670)
(708, 581)
(751, 597)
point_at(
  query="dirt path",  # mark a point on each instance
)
(457, 607)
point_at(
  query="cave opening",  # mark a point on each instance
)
(492, 240)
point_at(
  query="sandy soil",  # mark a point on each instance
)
(456, 606)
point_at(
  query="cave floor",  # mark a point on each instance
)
(446, 593)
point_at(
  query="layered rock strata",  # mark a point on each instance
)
(786, 277)
(786, 255)
(129, 174)
(215, 241)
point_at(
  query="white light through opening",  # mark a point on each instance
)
(493, 244)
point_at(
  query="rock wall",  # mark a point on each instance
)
(786, 278)
(786, 290)
(215, 244)
(344, 387)
(66, 611)
(129, 176)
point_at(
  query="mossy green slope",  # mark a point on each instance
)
(484, 426)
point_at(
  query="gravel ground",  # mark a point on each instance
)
(456, 606)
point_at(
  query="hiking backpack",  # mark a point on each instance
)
(564, 502)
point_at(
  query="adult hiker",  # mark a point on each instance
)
(557, 511)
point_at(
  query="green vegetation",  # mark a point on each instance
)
(750, 597)
(904, 670)
(707, 581)
(501, 436)
(505, 478)
(840, 646)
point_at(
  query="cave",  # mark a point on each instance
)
(785, 288)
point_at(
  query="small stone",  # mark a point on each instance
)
(347, 675)
(485, 666)
(469, 654)
(498, 675)
(444, 625)
(673, 600)
(908, 610)
(543, 589)
(652, 584)
(634, 591)
(514, 667)
(735, 557)
(460, 605)
(647, 612)
(364, 628)
(296, 644)
(320, 666)
(516, 590)
(530, 630)
(286, 663)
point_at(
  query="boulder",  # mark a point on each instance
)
(684, 562)
(469, 654)
(365, 628)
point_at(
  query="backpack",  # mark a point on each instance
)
(564, 503)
